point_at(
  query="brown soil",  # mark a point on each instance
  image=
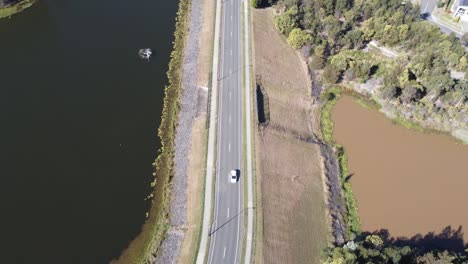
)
(194, 191)
(289, 170)
(206, 42)
(404, 181)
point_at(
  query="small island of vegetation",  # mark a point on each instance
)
(11, 7)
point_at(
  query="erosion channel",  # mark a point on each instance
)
(79, 114)
(405, 181)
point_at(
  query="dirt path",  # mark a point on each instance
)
(289, 169)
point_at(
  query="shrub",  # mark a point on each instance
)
(286, 22)
(254, 3)
(331, 74)
(298, 38)
(316, 63)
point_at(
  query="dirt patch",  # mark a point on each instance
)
(194, 191)
(206, 42)
(289, 165)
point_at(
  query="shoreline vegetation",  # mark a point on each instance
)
(351, 216)
(147, 245)
(10, 8)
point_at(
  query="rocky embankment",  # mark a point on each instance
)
(188, 110)
(11, 7)
(4, 3)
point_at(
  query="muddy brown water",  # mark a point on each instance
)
(404, 181)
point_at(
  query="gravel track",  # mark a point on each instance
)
(183, 139)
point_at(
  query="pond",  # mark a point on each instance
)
(405, 181)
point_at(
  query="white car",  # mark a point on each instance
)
(234, 176)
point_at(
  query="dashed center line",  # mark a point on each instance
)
(228, 213)
(229, 147)
(224, 252)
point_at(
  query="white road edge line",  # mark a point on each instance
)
(426, 7)
(248, 121)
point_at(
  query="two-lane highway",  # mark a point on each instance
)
(226, 230)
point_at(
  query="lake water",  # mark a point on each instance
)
(79, 113)
(404, 181)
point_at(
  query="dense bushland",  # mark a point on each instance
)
(423, 82)
(375, 248)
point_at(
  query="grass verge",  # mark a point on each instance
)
(409, 125)
(208, 113)
(15, 8)
(353, 223)
(147, 244)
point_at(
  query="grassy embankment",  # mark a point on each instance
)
(353, 224)
(148, 242)
(15, 8)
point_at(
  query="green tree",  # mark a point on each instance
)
(412, 93)
(316, 62)
(287, 21)
(254, 3)
(330, 74)
(374, 240)
(463, 64)
(298, 38)
(464, 39)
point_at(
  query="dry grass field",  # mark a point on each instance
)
(289, 171)
(194, 191)
(206, 39)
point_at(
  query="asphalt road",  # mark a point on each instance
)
(427, 6)
(226, 230)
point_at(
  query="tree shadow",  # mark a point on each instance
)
(424, 16)
(348, 178)
(447, 239)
